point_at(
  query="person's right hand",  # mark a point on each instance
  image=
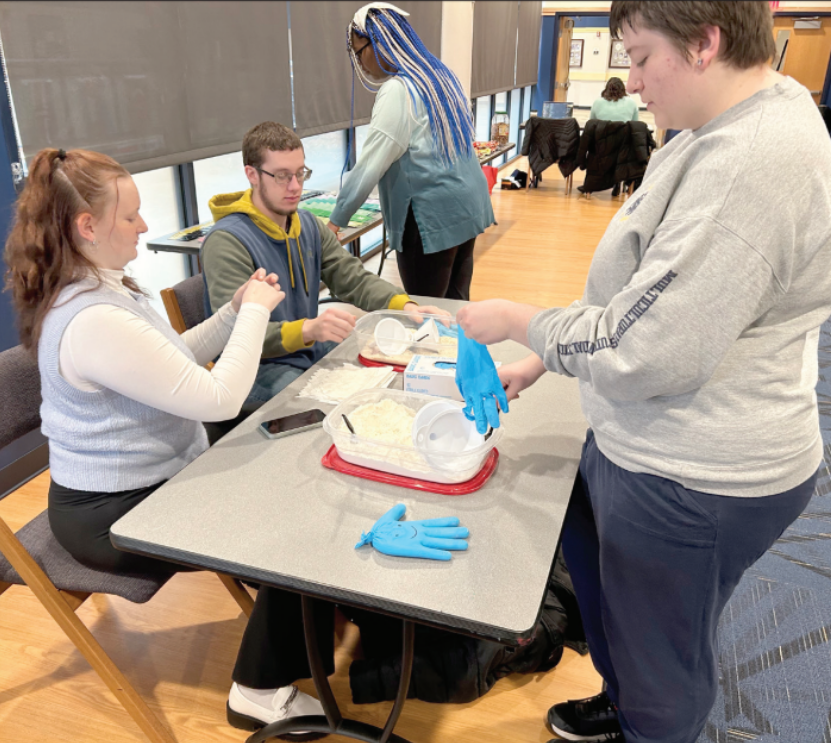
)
(520, 375)
(258, 275)
(332, 325)
(264, 293)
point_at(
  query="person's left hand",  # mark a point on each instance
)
(486, 322)
(417, 310)
(335, 229)
(258, 275)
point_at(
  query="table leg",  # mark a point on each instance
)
(332, 721)
(407, 653)
(383, 247)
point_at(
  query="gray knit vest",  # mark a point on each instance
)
(103, 441)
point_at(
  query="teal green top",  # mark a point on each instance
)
(451, 204)
(624, 109)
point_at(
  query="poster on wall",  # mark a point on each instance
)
(576, 57)
(617, 55)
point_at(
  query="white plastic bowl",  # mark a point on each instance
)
(391, 337)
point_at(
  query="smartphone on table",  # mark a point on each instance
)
(289, 424)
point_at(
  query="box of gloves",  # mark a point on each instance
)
(433, 375)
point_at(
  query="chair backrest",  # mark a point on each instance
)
(19, 394)
(185, 303)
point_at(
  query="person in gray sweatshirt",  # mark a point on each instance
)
(695, 346)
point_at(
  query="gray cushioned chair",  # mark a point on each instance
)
(33, 557)
(185, 303)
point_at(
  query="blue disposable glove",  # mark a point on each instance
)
(444, 330)
(479, 384)
(429, 539)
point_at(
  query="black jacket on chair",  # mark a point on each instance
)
(633, 156)
(549, 141)
(613, 151)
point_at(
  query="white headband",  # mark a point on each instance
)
(359, 19)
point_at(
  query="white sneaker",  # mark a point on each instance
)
(286, 702)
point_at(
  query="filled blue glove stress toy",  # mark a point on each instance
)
(429, 539)
(479, 384)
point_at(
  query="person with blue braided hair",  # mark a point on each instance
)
(419, 152)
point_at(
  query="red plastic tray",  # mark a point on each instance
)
(370, 362)
(333, 461)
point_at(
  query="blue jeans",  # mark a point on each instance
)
(653, 566)
(274, 378)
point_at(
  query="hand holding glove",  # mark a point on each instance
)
(430, 538)
(479, 384)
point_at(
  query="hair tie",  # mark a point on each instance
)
(62, 154)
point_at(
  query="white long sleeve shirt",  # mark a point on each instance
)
(105, 346)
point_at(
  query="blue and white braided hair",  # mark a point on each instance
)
(448, 109)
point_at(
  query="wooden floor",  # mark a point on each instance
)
(179, 648)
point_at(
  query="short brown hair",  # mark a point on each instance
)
(746, 26)
(267, 136)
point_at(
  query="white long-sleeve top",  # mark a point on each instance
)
(105, 346)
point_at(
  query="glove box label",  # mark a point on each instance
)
(433, 375)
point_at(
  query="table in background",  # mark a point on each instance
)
(487, 159)
(171, 243)
(268, 511)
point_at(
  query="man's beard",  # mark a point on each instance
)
(270, 205)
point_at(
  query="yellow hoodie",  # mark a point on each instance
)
(240, 202)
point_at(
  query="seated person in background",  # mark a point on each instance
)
(261, 228)
(614, 104)
(123, 393)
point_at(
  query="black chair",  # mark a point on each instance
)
(33, 557)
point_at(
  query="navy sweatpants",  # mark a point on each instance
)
(653, 565)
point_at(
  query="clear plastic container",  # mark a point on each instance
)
(500, 128)
(403, 458)
(368, 347)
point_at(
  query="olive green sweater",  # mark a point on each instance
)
(228, 264)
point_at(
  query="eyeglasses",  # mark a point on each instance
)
(283, 177)
(358, 51)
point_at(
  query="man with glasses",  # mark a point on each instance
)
(261, 227)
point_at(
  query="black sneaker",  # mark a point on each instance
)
(592, 719)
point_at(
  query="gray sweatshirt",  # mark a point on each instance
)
(695, 341)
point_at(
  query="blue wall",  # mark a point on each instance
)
(547, 72)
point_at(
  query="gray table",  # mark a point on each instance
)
(268, 511)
